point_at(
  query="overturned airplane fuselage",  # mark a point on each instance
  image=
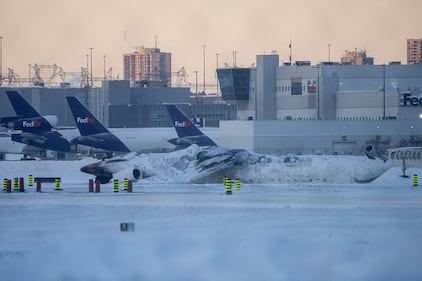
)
(209, 165)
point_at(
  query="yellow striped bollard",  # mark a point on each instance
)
(116, 186)
(30, 180)
(237, 184)
(125, 184)
(57, 184)
(5, 184)
(15, 184)
(415, 180)
(228, 186)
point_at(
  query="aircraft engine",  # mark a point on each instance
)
(370, 151)
(132, 173)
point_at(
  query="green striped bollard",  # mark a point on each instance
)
(415, 180)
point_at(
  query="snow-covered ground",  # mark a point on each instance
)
(196, 232)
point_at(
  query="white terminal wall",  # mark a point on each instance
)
(317, 136)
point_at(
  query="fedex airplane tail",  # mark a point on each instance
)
(187, 132)
(27, 119)
(93, 132)
(87, 123)
(21, 106)
(36, 130)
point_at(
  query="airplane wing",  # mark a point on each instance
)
(50, 140)
(88, 140)
(28, 138)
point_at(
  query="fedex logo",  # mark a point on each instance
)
(32, 124)
(182, 124)
(408, 99)
(85, 120)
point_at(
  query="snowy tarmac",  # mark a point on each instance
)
(197, 232)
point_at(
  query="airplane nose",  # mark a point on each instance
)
(84, 169)
(92, 169)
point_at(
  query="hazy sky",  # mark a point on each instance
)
(61, 32)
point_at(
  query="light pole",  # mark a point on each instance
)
(216, 74)
(290, 52)
(87, 71)
(234, 58)
(92, 82)
(383, 90)
(1, 60)
(29, 75)
(329, 52)
(204, 68)
(196, 84)
(105, 67)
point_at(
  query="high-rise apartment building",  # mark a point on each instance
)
(414, 51)
(357, 58)
(147, 64)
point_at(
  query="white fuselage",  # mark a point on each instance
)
(136, 139)
(153, 139)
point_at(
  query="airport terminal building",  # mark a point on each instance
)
(325, 108)
(302, 108)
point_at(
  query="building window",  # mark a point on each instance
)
(296, 86)
(312, 86)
